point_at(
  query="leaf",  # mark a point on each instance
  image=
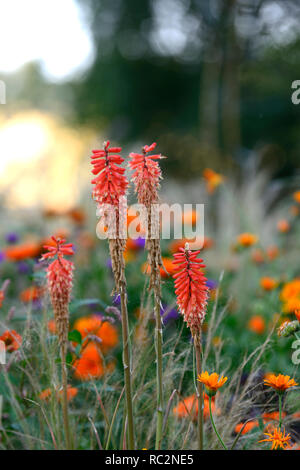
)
(69, 358)
(75, 336)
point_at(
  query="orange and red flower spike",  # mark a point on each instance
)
(146, 175)
(191, 289)
(60, 283)
(111, 183)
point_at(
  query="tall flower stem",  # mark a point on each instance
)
(280, 410)
(60, 282)
(127, 367)
(198, 352)
(65, 397)
(146, 176)
(159, 371)
(214, 426)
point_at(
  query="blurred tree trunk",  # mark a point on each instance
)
(220, 94)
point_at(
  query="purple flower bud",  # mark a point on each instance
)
(12, 237)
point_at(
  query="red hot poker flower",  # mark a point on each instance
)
(60, 282)
(146, 175)
(59, 248)
(191, 289)
(110, 184)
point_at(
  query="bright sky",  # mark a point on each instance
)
(51, 31)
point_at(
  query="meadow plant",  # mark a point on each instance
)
(227, 312)
(109, 190)
(191, 292)
(146, 177)
(60, 282)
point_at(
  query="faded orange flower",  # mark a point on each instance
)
(194, 243)
(280, 383)
(257, 324)
(11, 339)
(2, 296)
(272, 252)
(31, 294)
(212, 381)
(247, 239)
(90, 364)
(290, 296)
(51, 326)
(248, 426)
(296, 196)
(283, 226)
(45, 395)
(168, 266)
(273, 416)
(258, 256)
(24, 251)
(94, 325)
(278, 439)
(213, 179)
(268, 283)
(189, 406)
(77, 215)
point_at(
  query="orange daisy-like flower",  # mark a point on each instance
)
(94, 325)
(296, 196)
(258, 256)
(45, 395)
(247, 428)
(273, 416)
(291, 305)
(291, 289)
(90, 364)
(297, 314)
(189, 407)
(268, 283)
(290, 296)
(278, 439)
(212, 381)
(272, 252)
(247, 239)
(283, 226)
(280, 383)
(257, 324)
(24, 251)
(31, 294)
(51, 326)
(12, 340)
(213, 179)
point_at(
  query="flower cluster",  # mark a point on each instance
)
(60, 282)
(146, 175)
(111, 183)
(191, 289)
